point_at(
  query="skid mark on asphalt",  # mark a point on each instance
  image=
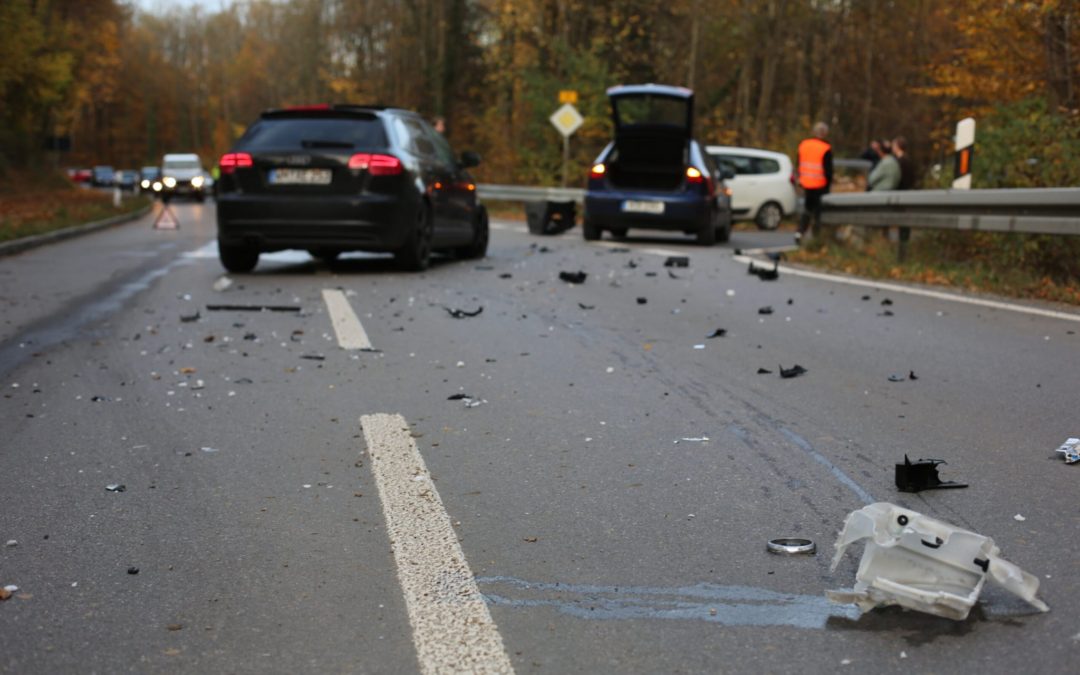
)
(452, 628)
(937, 295)
(350, 332)
(726, 605)
(844, 479)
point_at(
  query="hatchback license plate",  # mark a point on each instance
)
(300, 176)
(633, 206)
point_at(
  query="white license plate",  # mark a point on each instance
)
(633, 206)
(300, 176)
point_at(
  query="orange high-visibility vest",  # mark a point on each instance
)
(812, 163)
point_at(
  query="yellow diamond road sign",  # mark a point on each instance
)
(567, 120)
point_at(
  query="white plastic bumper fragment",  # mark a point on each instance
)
(923, 564)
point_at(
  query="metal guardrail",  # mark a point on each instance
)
(1030, 211)
(519, 193)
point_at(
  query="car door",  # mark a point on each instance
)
(434, 173)
(460, 189)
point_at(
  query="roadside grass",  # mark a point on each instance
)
(33, 204)
(931, 261)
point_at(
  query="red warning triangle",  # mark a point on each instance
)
(166, 220)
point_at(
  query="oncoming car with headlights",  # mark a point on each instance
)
(150, 179)
(182, 174)
(330, 179)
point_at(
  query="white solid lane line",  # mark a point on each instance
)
(453, 632)
(910, 290)
(350, 332)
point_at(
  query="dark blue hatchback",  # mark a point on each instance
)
(654, 175)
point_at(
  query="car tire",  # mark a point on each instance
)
(619, 232)
(415, 255)
(481, 234)
(706, 234)
(723, 233)
(590, 230)
(238, 259)
(769, 216)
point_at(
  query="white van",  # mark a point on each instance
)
(763, 189)
(182, 174)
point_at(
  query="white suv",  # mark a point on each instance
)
(763, 189)
(182, 174)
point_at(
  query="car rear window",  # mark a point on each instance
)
(314, 133)
(743, 165)
(646, 109)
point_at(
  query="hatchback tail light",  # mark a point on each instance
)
(232, 161)
(376, 165)
(597, 171)
(694, 176)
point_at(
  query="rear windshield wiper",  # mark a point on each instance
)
(326, 144)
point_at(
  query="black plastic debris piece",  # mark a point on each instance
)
(252, 308)
(116, 487)
(573, 277)
(922, 475)
(98, 399)
(887, 312)
(791, 301)
(462, 314)
(911, 375)
(672, 275)
(865, 298)
(632, 264)
(642, 301)
(719, 332)
(313, 357)
(506, 275)
(794, 371)
(765, 310)
(764, 273)
(458, 397)
(243, 380)
(886, 302)
(764, 371)
(251, 337)
(584, 306)
(133, 570)
(650, 274)
(677, 261)
(188, 318)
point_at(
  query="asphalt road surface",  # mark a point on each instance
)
(301, 494)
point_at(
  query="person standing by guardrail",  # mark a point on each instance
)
(815, 172)
(886, 175)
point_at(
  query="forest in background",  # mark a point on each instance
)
(126, 85)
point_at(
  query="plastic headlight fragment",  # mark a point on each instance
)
(924, 564)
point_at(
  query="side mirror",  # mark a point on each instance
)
(469, 159)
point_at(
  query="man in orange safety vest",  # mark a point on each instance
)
(815, 172)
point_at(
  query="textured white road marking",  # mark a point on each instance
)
(938, 295)
(452, 629)
(350, 332)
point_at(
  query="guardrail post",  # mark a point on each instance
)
(904, 236)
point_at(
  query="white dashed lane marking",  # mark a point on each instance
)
(350, 332)
(453, 632)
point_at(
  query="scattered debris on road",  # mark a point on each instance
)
(642, 301)
(692, 439)
(11, 543)
(462, 314)
(677, 261)
(7, 591)
(764, 273)
(467, 401)
(794, 371)
(573, 277)
(133, 570)
(921, 563)
(886, 302)
(252, 308)
(222, 284)
(116, 487)
(1070, 450)
(189, 318)
(718, 333)
(764, 371)
(765, 310)
(911, 375)
(586, 307)
(791, 546)
(897, 378)
(1019, 518)
(313, 357)
(922, 475)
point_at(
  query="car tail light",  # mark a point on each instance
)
(597, 171)
(694, 176)
(305, 108)
(376, 165)
(232, 161)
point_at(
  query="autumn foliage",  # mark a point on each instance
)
(128, 85)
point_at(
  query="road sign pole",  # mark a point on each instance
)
(565, 158)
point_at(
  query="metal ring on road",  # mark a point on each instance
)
(791, 546)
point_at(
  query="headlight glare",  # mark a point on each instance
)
(169, 181)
